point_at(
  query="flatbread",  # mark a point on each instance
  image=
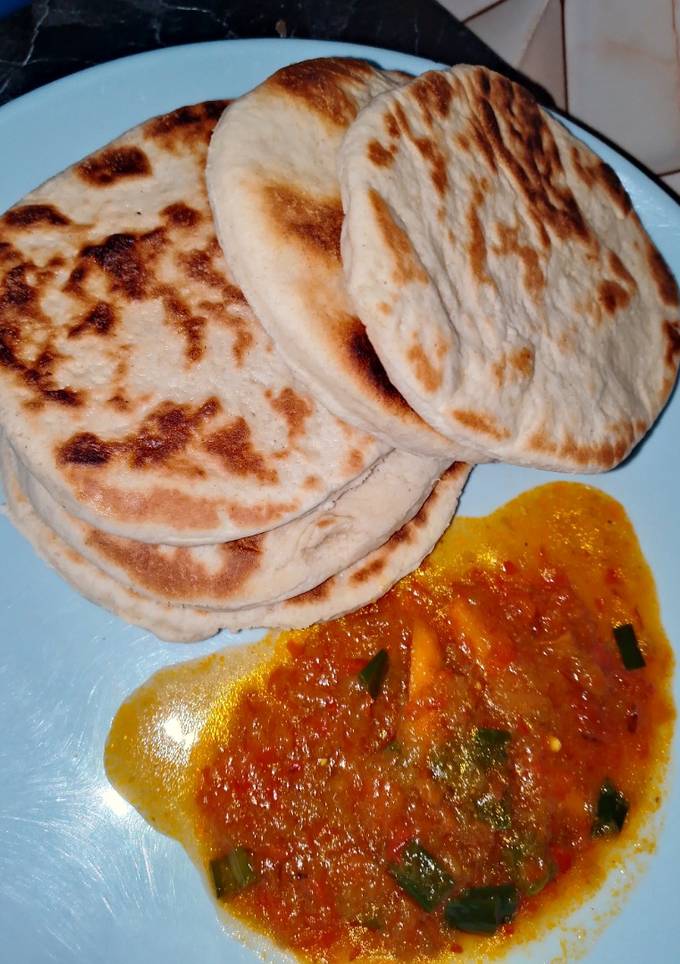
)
(505, 281)
(361, 583)
(135, 381)
(271, 166)
(261, 569)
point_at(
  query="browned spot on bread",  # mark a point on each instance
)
(182, 127)
(521, 141)
(127, 260)
(324, 85)
(28, 215)
(671, 330)
(612, 296)
(164, 433)
(391, 125)
(619, 269)
(312, 482)
(312, 595)
(613, 186)
(114, 164)
(314, 221)
(480, 422)
(522, 361)
(477, 253)
(354, 462)
(364, 359)
(372, 568)
(661, 275)
(427, 374)
(433, 93)
(190, 326)
(32, 362)
(233, 446)
(509, 244)
(181, 215)
(176, 573)
(407, 267)
(198, 265)
(436, 161)
(380, 155)
(99, 320)
(294, 409)
(240, 326)
(603, 456)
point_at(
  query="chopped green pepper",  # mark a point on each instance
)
(629, 648)
(612, 808)
(421, 875)
(482, 910)
(372, 676)
(232, 873)
(490, 746)
(494, 811)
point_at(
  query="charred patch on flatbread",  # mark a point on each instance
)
(371, 569)
(127, 261)
(32, 363)
(664, 281)
(618, 268)
(603, 455)
(198, 265)
(164, 433)
(480, 422)
(182, 127)
(315, 222)
(529, 154)
(380, 155)
(324, 85)
(233, 447)
(189, 325)
(429, 376)
(510, 244)
(364, 359)
(612, 296)
(28, 215)
(176, 573)
(294, 409)
(609, 180)
(436, 161)
(476, 247)
(671, 330)
(407, 267)
(312, 595)
(237, 322)
(114, 164)
(181, 215)
(99, 320)
(432, 92)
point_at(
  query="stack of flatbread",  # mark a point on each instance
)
(249, 349)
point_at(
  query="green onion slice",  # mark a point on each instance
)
(372, 676)
(490, 746)
(421, 876)
(232, 873)
(482, 910)
(629, 648)
(612, 808)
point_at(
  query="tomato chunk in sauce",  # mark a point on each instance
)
(441, 762)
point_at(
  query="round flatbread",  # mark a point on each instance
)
(271, 166)
(361, 583)
(261, 569)
(135, 381)
(504, 279)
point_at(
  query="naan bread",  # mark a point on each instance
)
(135, 381)
(271, 167)
(361, 583)
(262, 569)
(505, 282)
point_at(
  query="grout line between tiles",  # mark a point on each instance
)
(488, 7)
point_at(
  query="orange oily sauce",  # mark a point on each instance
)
(280, 750)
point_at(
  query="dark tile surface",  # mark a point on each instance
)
(52, 38)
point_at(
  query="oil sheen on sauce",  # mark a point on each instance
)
(280, 750)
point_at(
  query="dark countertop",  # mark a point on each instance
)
(51, 38)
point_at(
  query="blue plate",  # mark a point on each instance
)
(82, 878)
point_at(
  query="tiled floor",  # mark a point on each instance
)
(614, 64)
